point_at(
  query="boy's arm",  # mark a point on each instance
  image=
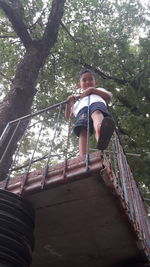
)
(70, 102)
(68, 109)
(107, 96)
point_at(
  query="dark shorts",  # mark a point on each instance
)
(82, 117)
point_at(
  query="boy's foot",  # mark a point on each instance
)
(106, 132)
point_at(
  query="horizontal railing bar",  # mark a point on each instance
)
(34, 161)
(38, 112)
(110, 151)
(39, 159)
(25, 118)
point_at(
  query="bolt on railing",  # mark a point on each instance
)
(47, 139)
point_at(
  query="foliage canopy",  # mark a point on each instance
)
(109, 37)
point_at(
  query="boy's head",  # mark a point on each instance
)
(86, 79)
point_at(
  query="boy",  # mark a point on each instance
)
(92, 103)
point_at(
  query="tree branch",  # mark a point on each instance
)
(8, 36)
(14, 12)
(51, 30)
(126, 104)
(104, 75)
(123, 100)
(71, 36)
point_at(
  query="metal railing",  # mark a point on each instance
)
(129, 194)
(47, 139)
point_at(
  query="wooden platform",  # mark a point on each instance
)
(80, 221)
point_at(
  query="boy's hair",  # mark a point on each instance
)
(85, 71)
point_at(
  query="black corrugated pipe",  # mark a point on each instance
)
(16, 230)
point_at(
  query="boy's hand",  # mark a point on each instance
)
(92, 90)
(70, 98)
(69, 104)
(73, 98)
(87, 92)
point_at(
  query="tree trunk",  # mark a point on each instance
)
(19, 100)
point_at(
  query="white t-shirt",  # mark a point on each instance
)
(85, 101)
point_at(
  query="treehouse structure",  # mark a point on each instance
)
(88, 211)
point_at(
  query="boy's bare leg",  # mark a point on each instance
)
(83, 142)
(97, 117)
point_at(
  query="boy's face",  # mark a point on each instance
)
(87, 80)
